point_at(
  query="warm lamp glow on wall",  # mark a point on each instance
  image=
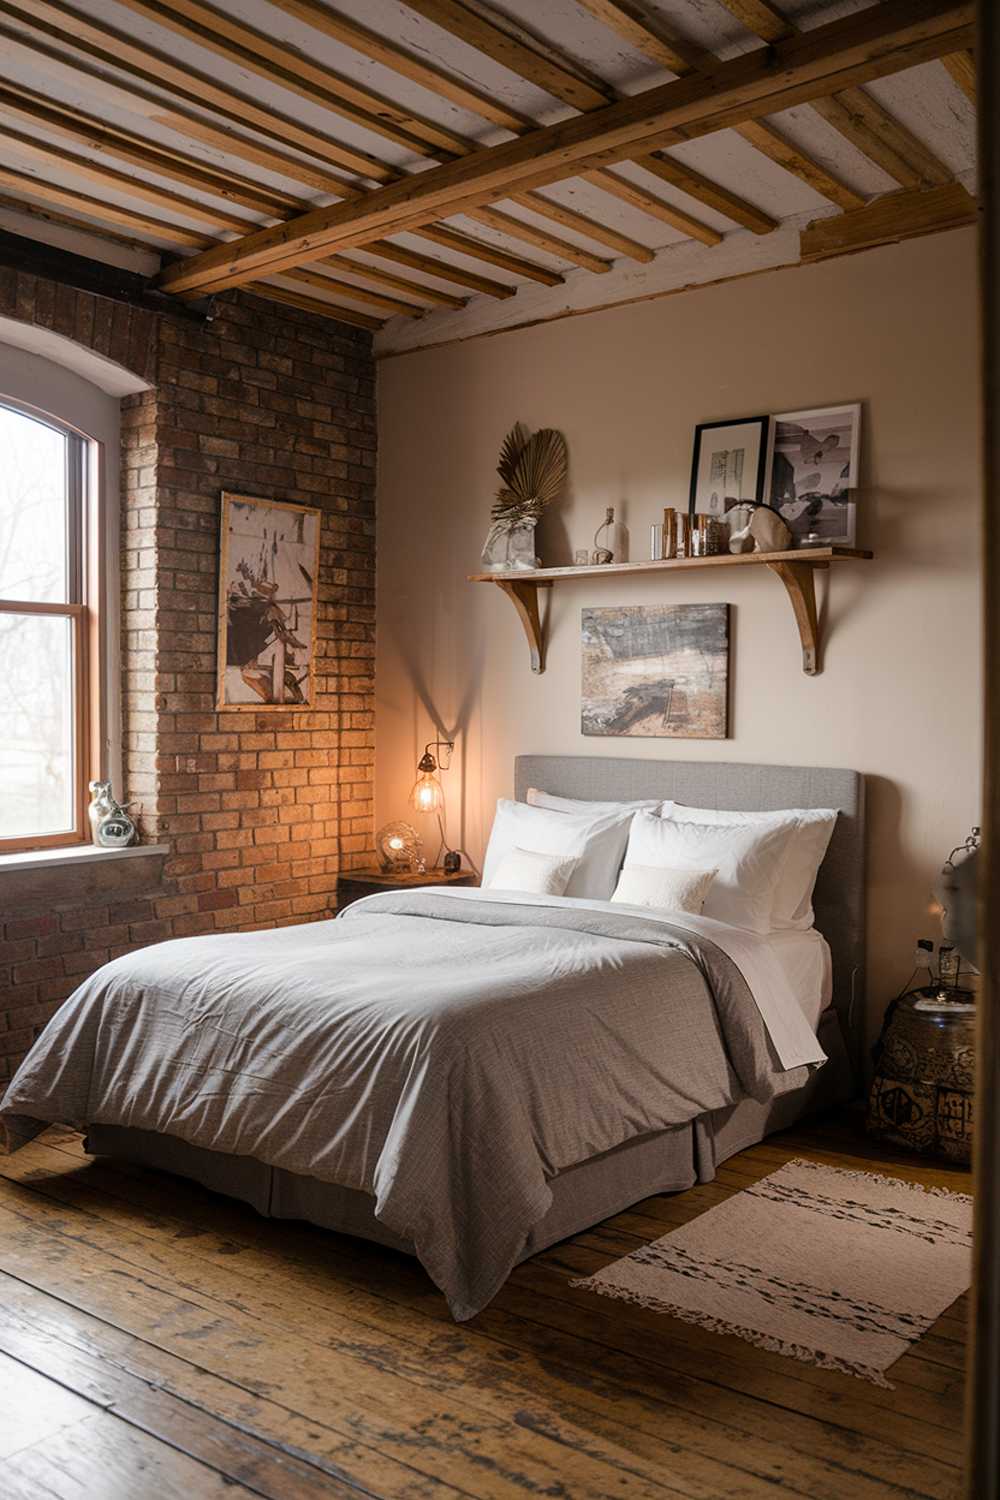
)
(428, 793)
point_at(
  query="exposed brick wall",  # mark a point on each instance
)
(260, 810)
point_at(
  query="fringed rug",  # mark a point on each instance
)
(839, 1269)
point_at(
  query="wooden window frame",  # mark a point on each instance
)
(82, 610)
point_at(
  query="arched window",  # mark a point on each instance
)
(47, 628)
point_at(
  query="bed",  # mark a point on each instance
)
(545, 1064)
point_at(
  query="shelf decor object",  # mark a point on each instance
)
(533, 470)
(796, 569)
(728, 465)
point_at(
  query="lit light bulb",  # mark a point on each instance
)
(427, 795)
(396, 843)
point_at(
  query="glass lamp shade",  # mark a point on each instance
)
(428, 794)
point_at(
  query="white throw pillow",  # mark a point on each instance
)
(812, 832)
(663, 889)
(539, 874)
(536, 798)
(597, 843)
(747, 858)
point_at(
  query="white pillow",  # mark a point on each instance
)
(539, 874)
(747, 858)
(663, 889)
(536, 798)
(597, 843)
(812, 832)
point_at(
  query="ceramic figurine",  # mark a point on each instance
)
(110, 825)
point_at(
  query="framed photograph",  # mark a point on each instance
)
(656, 670)
(268, 577)
(728, 465)
(812, 472)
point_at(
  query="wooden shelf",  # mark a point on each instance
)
(796, 569)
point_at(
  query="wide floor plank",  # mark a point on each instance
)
(211, 1350)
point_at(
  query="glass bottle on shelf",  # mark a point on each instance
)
(611, 540)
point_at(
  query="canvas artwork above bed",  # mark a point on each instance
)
(656, 671)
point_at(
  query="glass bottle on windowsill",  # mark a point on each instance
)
(611, 540)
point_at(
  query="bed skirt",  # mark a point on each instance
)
(667, 1161)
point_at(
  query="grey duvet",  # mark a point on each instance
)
(447, 1057)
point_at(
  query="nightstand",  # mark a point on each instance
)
(358, 883)
(923, 1090)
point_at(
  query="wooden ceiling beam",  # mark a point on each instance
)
(203, 23)
(540, 238)
(857, 116)
(863, 121)
(604, 234)
(478, 27)
(962, 68)
(416, 290)
(626, 191)
(496, 255)
(106, 213)
(401, 255)
(631, 22)
(332, 284)
(648, 34)
(122, 182)
(159, 110)
(473, 22)
(71, 221)
(351, 34)
(767, 139)
(77, 126)
(361, 39)
(237, 42)
(687, 180)
(85, 130)
(76, 29)
(872, 43)
(315, 306)
(893, 217)
(191, 125)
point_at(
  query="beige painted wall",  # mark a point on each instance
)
(900, 694)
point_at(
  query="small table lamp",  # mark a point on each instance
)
(427, 795)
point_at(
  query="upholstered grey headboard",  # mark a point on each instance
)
(839, 901)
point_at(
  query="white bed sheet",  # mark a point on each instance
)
(792, 1034)
(805, 961)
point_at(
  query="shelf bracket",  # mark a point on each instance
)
(800, 584)
(524, 597)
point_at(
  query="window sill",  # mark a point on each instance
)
(82, 872)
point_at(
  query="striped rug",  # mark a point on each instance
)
(839, 1269)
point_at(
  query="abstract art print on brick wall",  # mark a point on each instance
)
(657, 671)
(268, 578)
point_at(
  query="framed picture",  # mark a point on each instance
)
(728, 465)
(656, 670)
(812, 472)
(268, 576)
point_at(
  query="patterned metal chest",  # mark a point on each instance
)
(923, 1089)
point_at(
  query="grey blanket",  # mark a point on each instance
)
(445, 1057)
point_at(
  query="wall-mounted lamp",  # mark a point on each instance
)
(428, 793)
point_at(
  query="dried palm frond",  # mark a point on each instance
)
(533, 470)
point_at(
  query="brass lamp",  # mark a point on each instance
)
(428, 793)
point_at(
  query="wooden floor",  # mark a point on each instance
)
(156, 1340)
